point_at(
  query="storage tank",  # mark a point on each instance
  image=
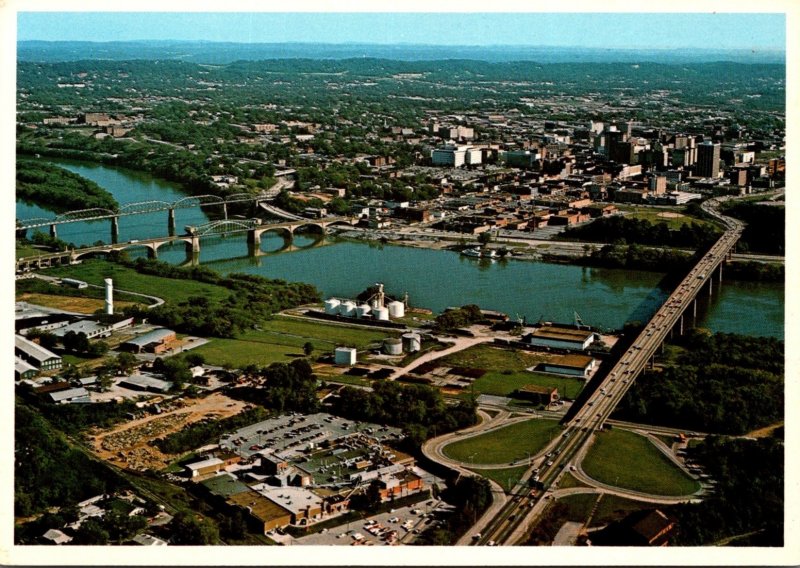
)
(347, 308)
(397, 309)
(393, 346)
(381, 314)
(411, 342)
(362, 310)
(332, 306)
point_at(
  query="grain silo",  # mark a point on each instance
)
(393, 346)
(347, 308)
(332, 306)
(381, 314)
(397, 309)
(362, 310)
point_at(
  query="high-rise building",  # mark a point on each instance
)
(708, 160)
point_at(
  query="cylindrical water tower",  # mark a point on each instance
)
(412, 342)
(109, 296)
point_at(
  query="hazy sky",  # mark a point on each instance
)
(619, 30)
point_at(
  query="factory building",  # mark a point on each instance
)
(36, 355)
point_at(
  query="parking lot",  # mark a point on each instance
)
(292, 434)
(404, 522)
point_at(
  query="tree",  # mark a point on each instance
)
(187, 529)
(91, 532)
(308, 348)
(485, 238)
(126, 362)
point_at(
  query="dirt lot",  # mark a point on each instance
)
(127, 445)
(69, 303)
(670, 215)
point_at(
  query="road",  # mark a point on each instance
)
(508, 526)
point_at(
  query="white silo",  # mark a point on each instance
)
(109, 296)
(397, 309)
(332, 306)
(381, 314)
(393, 346)
(412, 342)
(347, 308)
(362, 310)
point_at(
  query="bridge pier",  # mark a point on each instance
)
(114, 230)
(720, 273)
(710, 287)
(254, 238)
(171, 222)
(681, 326)
(152, 253)
(53, 231)
(225, 210)
(193, 248)
(694, 310)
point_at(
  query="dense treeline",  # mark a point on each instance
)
(756, 271)
(723, 383)
(284, 387)
(74, 418)
(766, 226)
(471, 496)
(460, 317)
(637, 257)
(748, 496)
(207, 431)
(618, 229)
(48, 470)
(58, 189)
(420, 410)
(252, 299)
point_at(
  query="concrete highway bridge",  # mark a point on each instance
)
(589, 416)
(254, 228)
(140, 207)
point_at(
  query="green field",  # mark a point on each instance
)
(506, 478)
(94, 271)
(610, 508)
(23, 250)
(501, 384)
(654, 215)
(631, 461)
(506, 371)
(282, 339)
(505, 444)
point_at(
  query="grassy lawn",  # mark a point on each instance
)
(568, 480)
(674, 217)
(345, 379)
(506, 371)
(630, 461)
(613, 508)
(506, 478)
(502, 384)
(492, 359)
(282, 339)
(505, 444)
(94, 271)
(578, 506)
(24, 250)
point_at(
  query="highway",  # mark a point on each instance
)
(523, 506)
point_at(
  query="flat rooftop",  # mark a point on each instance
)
(573, 360)
(563, 333)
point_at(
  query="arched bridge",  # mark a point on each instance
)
(254, 228)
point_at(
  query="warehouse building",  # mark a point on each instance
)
(560, 337)
(156, 341)
(36, 355)
(70, 396)
(23, 370)
(572, 364)
(537, 394)
(146, 383)
(204, 468)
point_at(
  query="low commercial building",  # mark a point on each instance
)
(304, 505)
(574, 365)
(70, 396)
(537, 394)
(560, 337)
(35, 354)
(204, 468)
(155, 341)
(146, 383)
(263, 512)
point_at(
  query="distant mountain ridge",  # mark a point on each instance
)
(226, 52)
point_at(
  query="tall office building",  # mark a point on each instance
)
(708, 160)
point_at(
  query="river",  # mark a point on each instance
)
(434, 279)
